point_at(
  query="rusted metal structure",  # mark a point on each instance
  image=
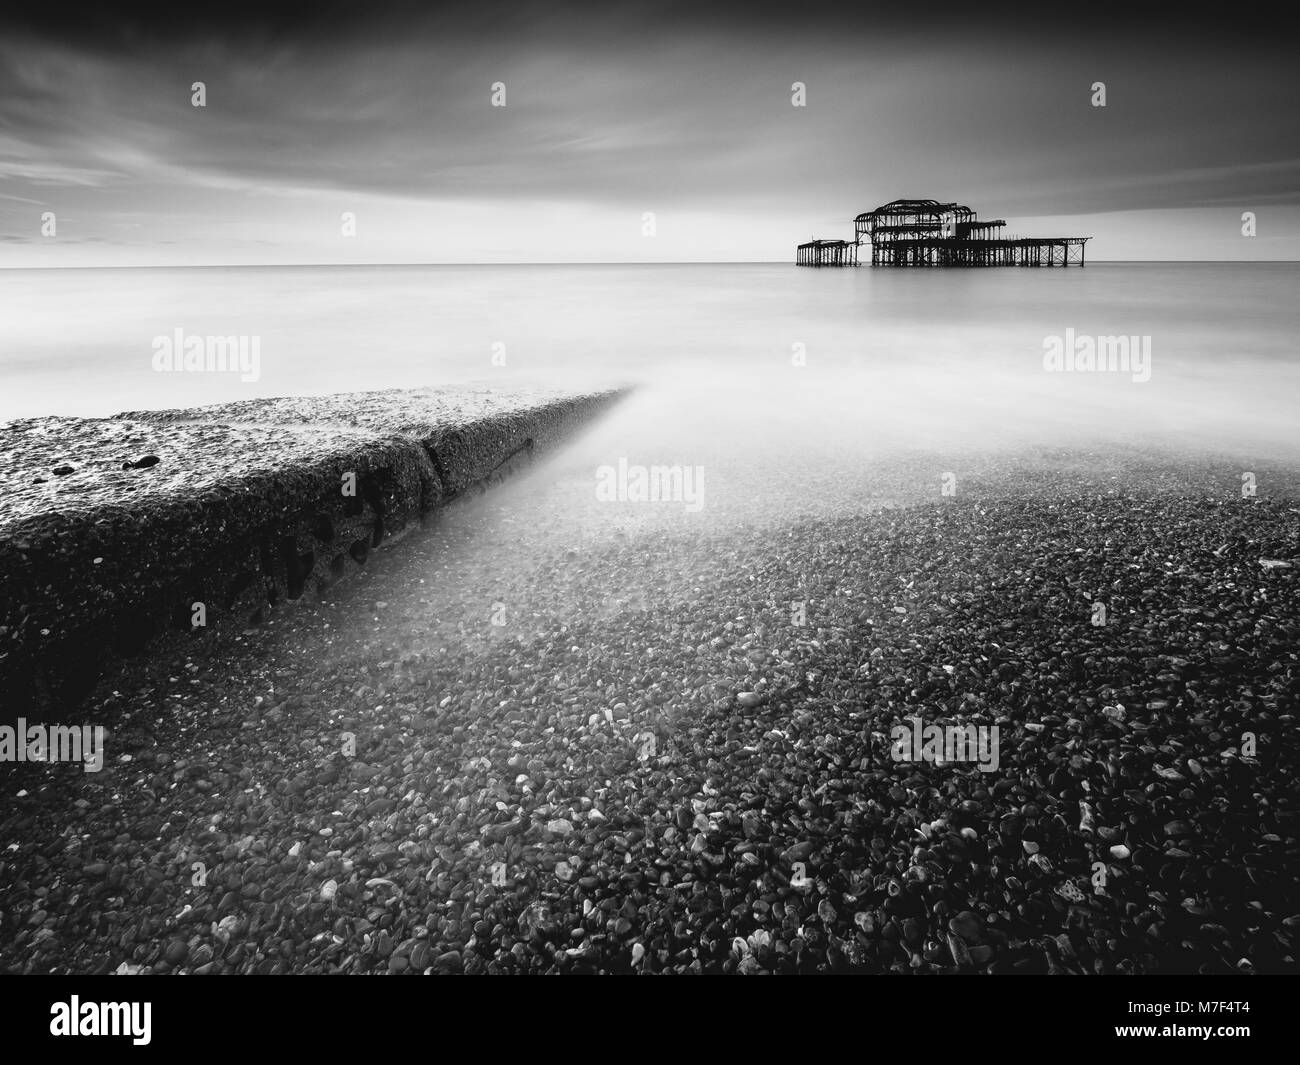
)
(828, 253)
(930, 233)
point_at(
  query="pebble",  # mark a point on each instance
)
(960, 951)
(481, 754)
(968, 926)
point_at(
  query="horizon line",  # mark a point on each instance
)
(583, 262)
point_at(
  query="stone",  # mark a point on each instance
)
(968, 926)
(960, 952)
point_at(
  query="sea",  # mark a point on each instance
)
(744, 356)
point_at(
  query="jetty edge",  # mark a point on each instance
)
(148, 529)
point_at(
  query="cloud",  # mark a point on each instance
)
(676, 107)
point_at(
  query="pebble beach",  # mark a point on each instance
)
(555, 735)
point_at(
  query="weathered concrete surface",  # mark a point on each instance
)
(468, 433)
(114, 531)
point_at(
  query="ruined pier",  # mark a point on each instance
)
(930, 233)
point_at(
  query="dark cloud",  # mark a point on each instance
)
(128, 26)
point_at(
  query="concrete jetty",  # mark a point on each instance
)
(126, 534)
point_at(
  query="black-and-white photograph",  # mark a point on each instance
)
(649, 489)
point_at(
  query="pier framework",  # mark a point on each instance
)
(930, 233)
(828, 253)
(1046, 251)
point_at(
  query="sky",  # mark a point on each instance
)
(633, 133)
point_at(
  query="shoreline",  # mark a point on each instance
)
(484, 753)
(147, 529)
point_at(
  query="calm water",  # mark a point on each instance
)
(926, 357)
